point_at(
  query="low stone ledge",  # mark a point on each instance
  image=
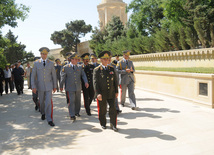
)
(195, 87)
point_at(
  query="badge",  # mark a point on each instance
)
(111, 72)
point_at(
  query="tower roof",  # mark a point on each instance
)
(109, 1)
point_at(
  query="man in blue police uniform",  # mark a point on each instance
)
(71, 75)
(44, 80)
(126, 69)
(88, 93)
(94, 60)
(106, 89)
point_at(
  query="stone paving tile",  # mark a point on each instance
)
(162, 125)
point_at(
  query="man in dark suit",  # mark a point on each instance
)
(106, 88)
(18, 76)
(88, 93)
(58, 69)
(1, 80)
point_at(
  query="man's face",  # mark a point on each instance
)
(74, 61)
(104, 61)
(28, 65)
(85, 61)
(94, 60)
(7, 67)
(126, 56)
(117, 58)
(44, 56)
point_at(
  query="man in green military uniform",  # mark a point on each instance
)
(106, 88)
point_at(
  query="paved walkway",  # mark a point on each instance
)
(162, 125)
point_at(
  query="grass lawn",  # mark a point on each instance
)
(208, 70)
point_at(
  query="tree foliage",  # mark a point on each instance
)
(70, 37)
(15, 51)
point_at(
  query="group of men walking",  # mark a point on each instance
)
(99, 81)
(13, 78)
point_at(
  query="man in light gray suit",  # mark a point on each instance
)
(126, 69)
(71, 75)
(44, 80)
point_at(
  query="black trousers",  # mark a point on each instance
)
(1, 86)
(19, 86)
(102, 110)
(8, 82)
(88, 95)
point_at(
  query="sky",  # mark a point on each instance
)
(47, 16)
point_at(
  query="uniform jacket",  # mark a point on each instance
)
(89, 73)
(72, 77)
(58, 69)
(43, 78)
(95, 64)
(125, 78)
(105, 82)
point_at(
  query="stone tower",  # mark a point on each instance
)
(109, 8)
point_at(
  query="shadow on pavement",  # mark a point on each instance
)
(145, 133)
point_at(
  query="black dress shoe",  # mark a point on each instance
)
(73, 118)
(123, 105)
(78, 115)
(51, 123)
(43, 117)
(103, 127)
(36, 107)
(89, 114)
(113, 127)
(119, 111)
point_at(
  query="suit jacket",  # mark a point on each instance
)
(72, 77)
(43, 77)
(125, 78)
(105, 82)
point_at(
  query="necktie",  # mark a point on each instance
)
(126, 62)
(44, 63)
(73, 67)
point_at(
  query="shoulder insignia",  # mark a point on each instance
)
(39, 61)
(69, 65)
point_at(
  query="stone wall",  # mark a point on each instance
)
(186, 58)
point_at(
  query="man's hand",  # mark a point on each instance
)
(99, 97)
(131, 70)
(116, 95)
(128, 70)
(34, 90)
(61, 89)
(54, 90)
(86, 85)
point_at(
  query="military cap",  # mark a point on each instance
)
(68, 54)
(127, 52)
(57, 60)
(93, 56)
(74, 56)
(85, 56)
(116, 55)
(18, 61)
(7, 65)
(105, 54)
(44, 50)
